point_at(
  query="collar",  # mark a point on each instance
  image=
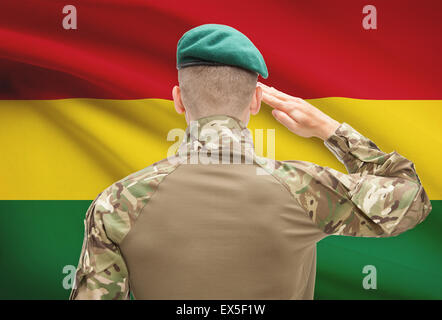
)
(217, 132)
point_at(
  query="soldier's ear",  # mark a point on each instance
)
(255, 104)
(176, 94)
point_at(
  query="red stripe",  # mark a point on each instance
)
(125, 49)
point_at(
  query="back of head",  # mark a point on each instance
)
(213, 90)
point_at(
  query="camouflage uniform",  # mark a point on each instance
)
(217, 231)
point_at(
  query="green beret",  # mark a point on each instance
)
(217, 44)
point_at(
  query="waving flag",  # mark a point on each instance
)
(82, 108)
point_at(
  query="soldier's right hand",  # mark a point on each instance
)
(298, 115)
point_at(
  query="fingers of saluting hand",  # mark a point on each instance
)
(272, 91)
(285, 119)
(275, 102)
(279, 100)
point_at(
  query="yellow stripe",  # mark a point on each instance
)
(74, 148)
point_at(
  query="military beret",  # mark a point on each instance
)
(217, 44)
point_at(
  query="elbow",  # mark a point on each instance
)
(417, 212)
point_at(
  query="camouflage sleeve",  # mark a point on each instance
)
(101, 272)
(380, 196)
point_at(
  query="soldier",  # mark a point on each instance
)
(203, 229)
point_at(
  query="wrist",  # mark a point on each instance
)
(327, 129)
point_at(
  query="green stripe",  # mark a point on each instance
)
(38, 238)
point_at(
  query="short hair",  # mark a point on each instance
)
(212, 90)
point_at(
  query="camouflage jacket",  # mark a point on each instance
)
(380, 196)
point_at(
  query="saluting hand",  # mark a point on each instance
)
(298, 115)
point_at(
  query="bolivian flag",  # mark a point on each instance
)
(83, 107)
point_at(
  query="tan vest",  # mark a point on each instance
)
(221, 232)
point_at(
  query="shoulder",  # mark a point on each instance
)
(140, 185)
(290, 171)
(119, 205)
(303, 176)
